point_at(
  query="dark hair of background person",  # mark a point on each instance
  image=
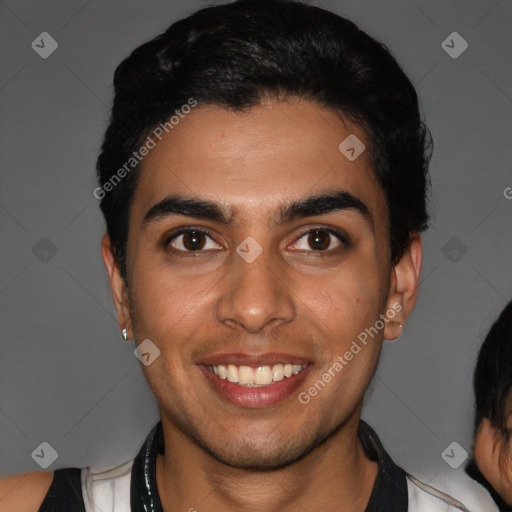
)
(238, 54)
(492, 380)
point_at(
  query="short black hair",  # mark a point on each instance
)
(238, 54)
(492, 380)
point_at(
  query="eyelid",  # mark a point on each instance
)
(175, 233)
(340, 234)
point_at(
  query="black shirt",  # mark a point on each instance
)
(65, 494)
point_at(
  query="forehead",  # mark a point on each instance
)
(252, 161)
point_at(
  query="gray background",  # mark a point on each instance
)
(67, 378)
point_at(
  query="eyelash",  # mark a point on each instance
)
(339, 234)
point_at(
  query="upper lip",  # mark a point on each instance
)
(242, 359)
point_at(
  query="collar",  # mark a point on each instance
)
(389, 491)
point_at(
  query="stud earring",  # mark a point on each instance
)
(386, 320)
(124, 334)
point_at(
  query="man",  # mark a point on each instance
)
(263, 181)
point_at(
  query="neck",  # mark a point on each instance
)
(336, 475)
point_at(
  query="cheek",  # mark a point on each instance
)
(345, 310)
(487, 457)
(165, 305)
(350, 299)
(508, 459)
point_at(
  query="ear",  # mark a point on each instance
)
(403, 289)
(117, 286)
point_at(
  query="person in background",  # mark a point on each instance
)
(491, 465)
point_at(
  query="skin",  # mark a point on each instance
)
(24, 492)
(291, 299)
(487, 450)
(287, 300)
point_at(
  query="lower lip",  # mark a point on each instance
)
(255, 398)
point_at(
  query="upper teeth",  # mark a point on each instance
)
(259, 376)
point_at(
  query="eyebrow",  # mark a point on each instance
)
(318, 204)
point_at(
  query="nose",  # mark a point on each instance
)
(255, 295)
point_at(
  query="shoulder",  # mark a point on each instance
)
(448, 492)
(67, 489)
(25, 492)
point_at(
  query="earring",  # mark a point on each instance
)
(124, 334)
(400, 325)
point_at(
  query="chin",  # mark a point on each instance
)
(251, 459)
(265, 451)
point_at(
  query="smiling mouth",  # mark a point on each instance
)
(256, 377)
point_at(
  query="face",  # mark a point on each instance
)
(494, 459)
(258, 281)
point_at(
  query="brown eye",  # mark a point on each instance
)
(322, 240)
(319, 240)
(191, 240)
